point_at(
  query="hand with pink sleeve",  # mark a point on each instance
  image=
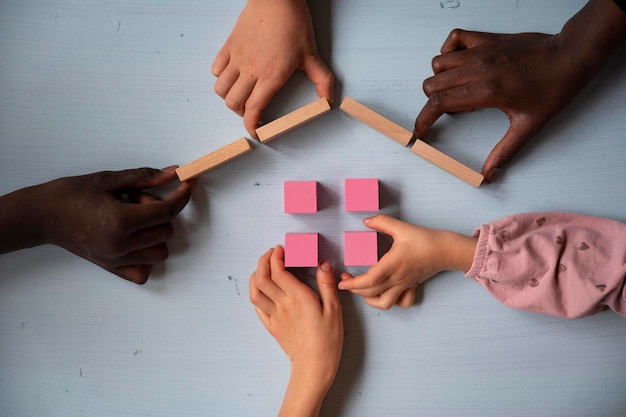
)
(417, 254)
(271, 39)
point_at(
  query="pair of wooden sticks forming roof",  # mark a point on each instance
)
(316, 109)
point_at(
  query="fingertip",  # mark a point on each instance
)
(326, 266)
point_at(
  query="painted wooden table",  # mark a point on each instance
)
(88, 86)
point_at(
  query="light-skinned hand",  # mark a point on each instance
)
(271, 39)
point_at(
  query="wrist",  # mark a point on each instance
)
(591, 36)
(457, 251)
(305, 392)
(22, 222)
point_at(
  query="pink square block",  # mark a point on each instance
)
(301, 249)
(360, 248)
(361, 194)
(300, 196)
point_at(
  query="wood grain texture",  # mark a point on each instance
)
(293, 120)
(377, 122)
(447, 163)
(100, 85)
(214, 159)
(403, 137)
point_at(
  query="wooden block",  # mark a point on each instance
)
(292, 120)
(403, 137)
(300, 197)
(214, 159)
(301, 249)
(361, 194)
(376, 121)
(448, 164)
(360, 248)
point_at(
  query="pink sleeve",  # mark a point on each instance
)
(559, 264)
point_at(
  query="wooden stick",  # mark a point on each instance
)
(292, 120)
(448, 164)
(403, 137)
(376, 121)
(214, 159)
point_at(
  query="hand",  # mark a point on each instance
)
(417, 254)
(268, 43)
(530, 77)
(308, 328)
(89, 218)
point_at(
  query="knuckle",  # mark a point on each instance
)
(438, 102)
(435, 63)
(233, 104)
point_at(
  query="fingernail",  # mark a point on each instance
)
(491, 175)
(169, 168)
(325, 266)
(367, 220)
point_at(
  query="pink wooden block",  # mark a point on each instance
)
(300, 196)
(301, 249)
(361, 194)
(360, 248)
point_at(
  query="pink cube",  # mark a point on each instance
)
(300, 196)
(361, 194)
(301, 249)
(360, 248)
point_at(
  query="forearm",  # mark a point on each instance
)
(22, 219)
(304, 395)
(593, 34)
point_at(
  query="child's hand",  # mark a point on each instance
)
(268, 43)
(307, 328)
(417, 254)
(88, 218)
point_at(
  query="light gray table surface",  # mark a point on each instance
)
(102, 85)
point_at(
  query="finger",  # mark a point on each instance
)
(239, 93)
(138, 274)
(265, 318)
(407, 298)
(220, 62)
(150, 236)
(429, 114)
(146, 256)
(141, 197)
(442, 64)
(373, 282)
(264, 91)
(321, 76)
(258, 299)
(327, 286)
(386, 224)
(225, 81)
(263, 278)
(129, 180)
(384, 301)
(462, 98)
(156, 212)
(505, 150)
(463, 39)
(285, 280)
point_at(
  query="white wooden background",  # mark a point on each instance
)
(94, 85)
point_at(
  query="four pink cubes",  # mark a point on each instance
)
(360, 248)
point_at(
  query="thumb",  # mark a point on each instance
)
(326, 284)
(322, 77)
(505, 150)
(383, 223)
